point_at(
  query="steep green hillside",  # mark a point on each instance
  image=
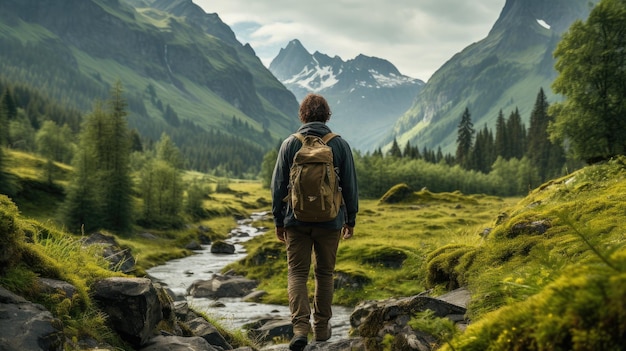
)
(177, 76)
(504, 71)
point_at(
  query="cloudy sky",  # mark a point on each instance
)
(417, 36)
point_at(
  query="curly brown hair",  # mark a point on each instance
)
(314, 108)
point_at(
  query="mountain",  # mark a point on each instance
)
(368, 92)
(172, 58)
(504, 71)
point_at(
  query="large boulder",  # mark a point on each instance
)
(374, 320)
(132, 305)
(222, 286)
(25, 326)
(222, 247)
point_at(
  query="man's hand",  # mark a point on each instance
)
(280, 233)
(347, 231)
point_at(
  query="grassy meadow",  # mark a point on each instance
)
(542, 269)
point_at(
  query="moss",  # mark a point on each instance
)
(398, 193)
(442, 263)
(570, 314)
(11, 235)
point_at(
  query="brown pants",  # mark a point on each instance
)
(301, 241)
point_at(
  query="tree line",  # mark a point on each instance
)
(510, 161)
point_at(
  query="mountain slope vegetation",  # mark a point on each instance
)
(502, 72)
(183, 71)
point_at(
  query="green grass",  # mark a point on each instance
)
(385, 233)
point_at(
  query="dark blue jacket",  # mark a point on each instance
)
(283, 216)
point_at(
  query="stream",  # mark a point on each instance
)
(181, 273)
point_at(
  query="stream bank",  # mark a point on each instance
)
(233, 313)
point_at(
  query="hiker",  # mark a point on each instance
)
(319, 233)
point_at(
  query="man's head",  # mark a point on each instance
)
(314, 108)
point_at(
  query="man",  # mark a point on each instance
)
(321, 238)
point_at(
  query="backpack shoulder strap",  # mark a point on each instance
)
(299, 136)
(328, 137)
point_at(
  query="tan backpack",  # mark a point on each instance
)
(314, 192)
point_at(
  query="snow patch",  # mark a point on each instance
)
(314, 79)
(543, 24)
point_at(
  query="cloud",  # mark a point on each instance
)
(418, 37)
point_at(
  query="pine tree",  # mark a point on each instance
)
(500, 144)
(411, 152)
(135, 141)
(100, 192)
(8, 104)
(115, 156)
(465, 139)
(406, 153)
(482, 152)
(82, 209)
(395, 150)
(544, 155)
(516, 135)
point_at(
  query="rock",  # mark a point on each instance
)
(375, 319)
(25, 326)
(217, 304)
(120, 259)
(178, 343)
(204, 239)
(193, 245)
(269, 327)
(222, 286)
(221, 247)
(254, 296)
(132, 306)
(200, 327)
(52, 286)
(533, 228)
(353, 344)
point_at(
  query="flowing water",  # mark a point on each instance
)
(181, 273)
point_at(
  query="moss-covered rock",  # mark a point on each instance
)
(11, 234)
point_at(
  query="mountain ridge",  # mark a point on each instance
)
(188, 60)
(366, 91)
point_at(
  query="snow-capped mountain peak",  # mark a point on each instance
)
(318, 72)
(366, 91)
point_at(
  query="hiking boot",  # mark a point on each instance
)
(323, 335)
(298, 343)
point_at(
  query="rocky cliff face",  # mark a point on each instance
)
(368, 92)
(504, 71)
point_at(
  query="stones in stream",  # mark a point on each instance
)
(222, 286)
